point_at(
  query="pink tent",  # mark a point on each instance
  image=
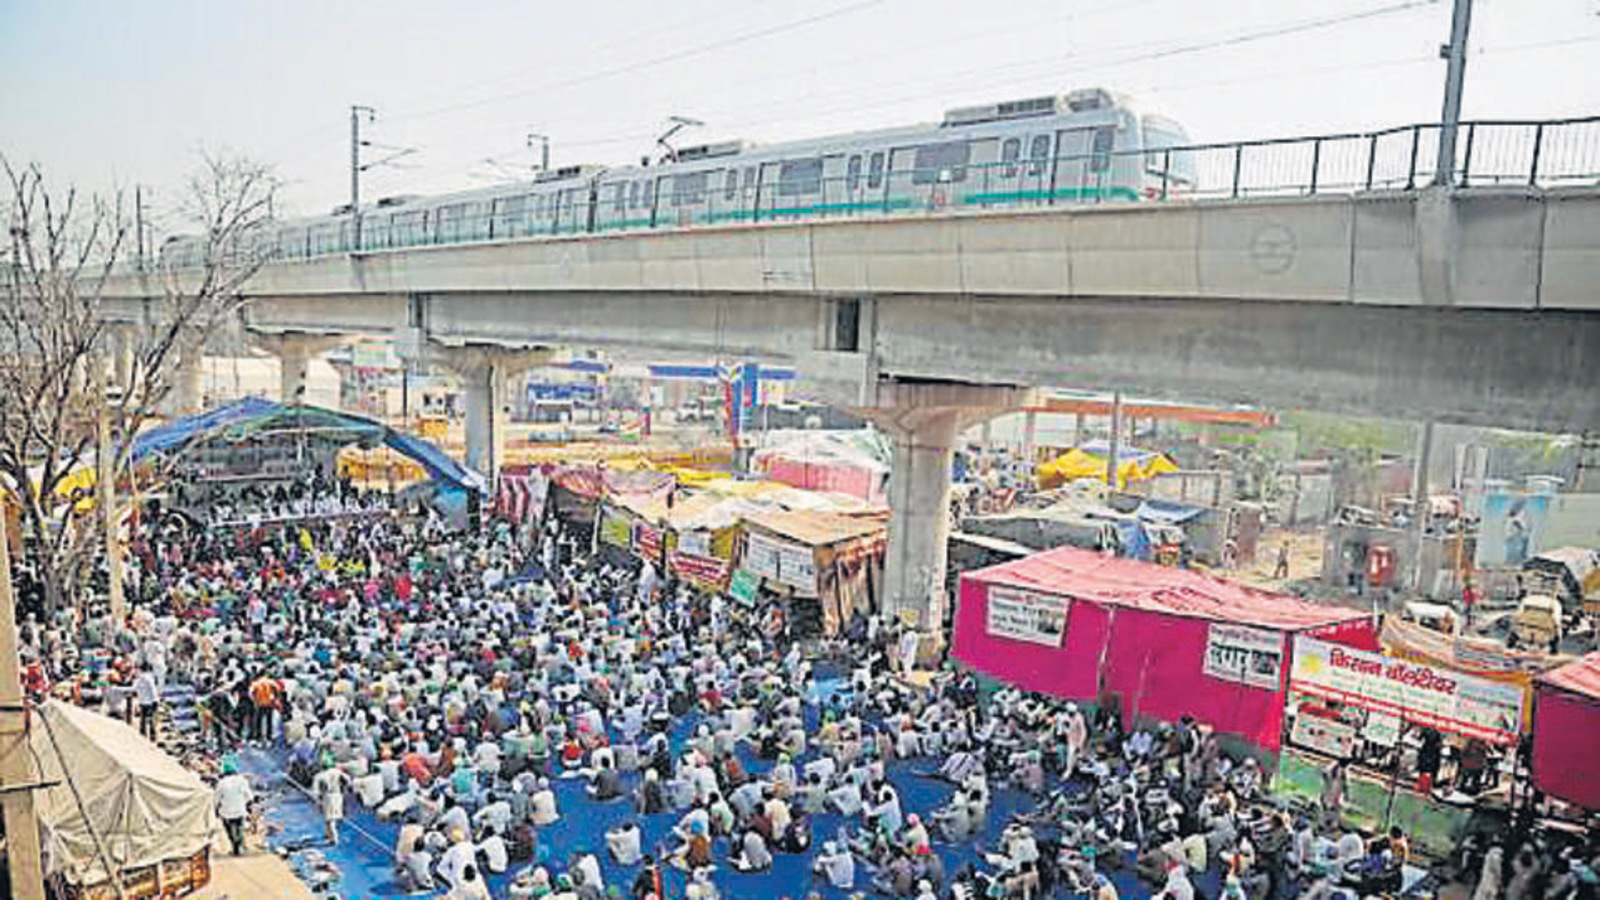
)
(1566, 730)
(1167, 642)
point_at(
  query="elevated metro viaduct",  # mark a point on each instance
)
(1474, 305)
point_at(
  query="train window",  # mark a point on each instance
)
(619, 202)
(649, 196)
(730, 185)
(749, 178)
(852, 173)
(1104, 139)
(941, 162)
(633, 195)
(875, 171)
(1038, 152)
(1010, 152)
(803, 176)
(690, 189)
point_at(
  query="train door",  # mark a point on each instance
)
(1083, 163)
(1036, 175)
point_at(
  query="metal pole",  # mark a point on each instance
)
(138, 224)
(355, 176)
(16, 768)
(106, 476)
(1116, 428)
(1455, 75)
(1419, 523)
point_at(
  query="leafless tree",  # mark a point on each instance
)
(64, 253)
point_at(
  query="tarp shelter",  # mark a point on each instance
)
(846, 462)
(253, 417)
(144, 805)
(834, 559)
(1166, 642)
(1566, 723)
(1089, 461)
(696, 535)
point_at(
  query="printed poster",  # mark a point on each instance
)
(1510, 529)
(1020, 615)
(1244, 655)
(781, 561)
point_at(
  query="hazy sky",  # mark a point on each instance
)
(106, 92)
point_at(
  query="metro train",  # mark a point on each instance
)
(1087, 146)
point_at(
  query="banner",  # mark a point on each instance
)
(781, 561)
(1244, 655)
(694, 543)
(616, 527)
(706, 572)
(647, 542)
(1025, 616)
(1416, 693)
(744, 586)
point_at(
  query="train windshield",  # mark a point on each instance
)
(1176, 166)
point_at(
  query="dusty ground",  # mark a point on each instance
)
(258, 875)
(1305, 559)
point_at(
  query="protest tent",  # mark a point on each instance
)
(1164, 642)
(1088, 460)
(1566, 719)
(832, 563)
(153, 818)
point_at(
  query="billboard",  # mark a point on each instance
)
(1511, 529)
(1413, 692)
(1019, 615)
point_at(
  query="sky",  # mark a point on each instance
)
(109, 93)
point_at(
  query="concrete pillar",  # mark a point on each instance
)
(924, 421)
(122, 350)
(485, 372)
(295, 351)
(186, 392)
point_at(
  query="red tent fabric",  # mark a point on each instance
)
(1142, 632)
(1566, 730)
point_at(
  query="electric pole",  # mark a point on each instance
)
(544, 149)
(1450, 122)
(355, 171)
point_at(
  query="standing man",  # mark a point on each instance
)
(144, 690)
(1281, 570)
(234, 797)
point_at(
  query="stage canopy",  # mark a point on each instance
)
(254, 417)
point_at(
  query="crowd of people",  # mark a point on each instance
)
(452, 682)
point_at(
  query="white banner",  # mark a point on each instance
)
(1244, 655)
(1025, 616)
(1416, 693)
(694, 543)
(781, 561)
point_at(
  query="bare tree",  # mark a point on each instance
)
(56, 340)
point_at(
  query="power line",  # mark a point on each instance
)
(649, 63)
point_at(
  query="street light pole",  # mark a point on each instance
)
(1455, 75)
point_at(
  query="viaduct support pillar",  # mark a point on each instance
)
(924, 420)
(186, 393)
(485, 372)
(295, 351)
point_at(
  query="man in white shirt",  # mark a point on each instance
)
(839, 866)
(144, 690)
(234, 797)
(623, 841)
(495, 855)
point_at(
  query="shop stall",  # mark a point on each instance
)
(829, 564)
(1566, 732)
